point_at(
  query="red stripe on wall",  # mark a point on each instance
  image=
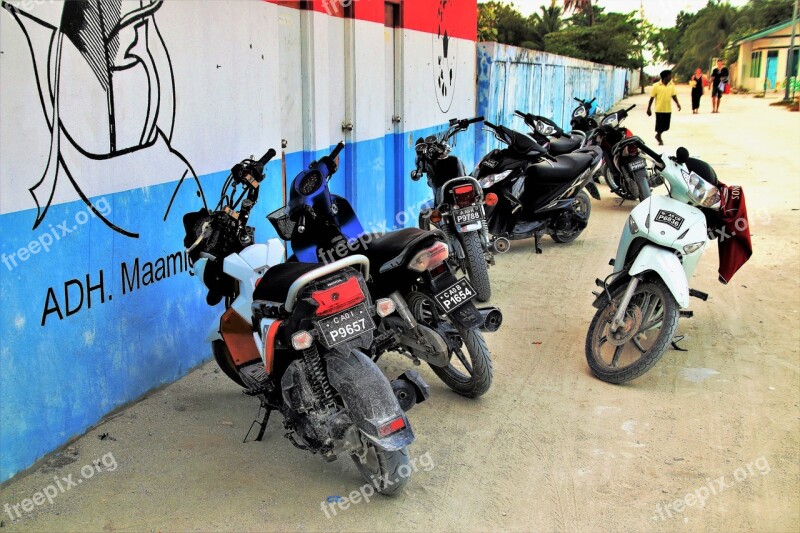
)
(456, 18)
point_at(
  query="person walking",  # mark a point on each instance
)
(663, 93)
(698, 83)
(719, 79)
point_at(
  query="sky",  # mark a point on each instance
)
(661, 13)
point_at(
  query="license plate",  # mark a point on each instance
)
(636, 164)
(345, 326)
(466, 215)
(456, 295)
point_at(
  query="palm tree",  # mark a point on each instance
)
(548, 21)
(580, 5)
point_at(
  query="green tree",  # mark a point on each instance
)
(584, 9)
(614, 39)
(706, 38)
(487, 22)
(548, 21)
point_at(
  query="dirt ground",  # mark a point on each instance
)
(550, 447)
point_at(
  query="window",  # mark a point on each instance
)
(755, 64)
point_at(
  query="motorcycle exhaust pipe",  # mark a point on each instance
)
(492, 319)
(501, 245)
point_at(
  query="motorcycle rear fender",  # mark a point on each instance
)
(665, 264)
(369, 398)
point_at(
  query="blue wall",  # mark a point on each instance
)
(511, 78)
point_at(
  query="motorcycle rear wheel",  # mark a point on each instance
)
(387, 471)
(652, 306)
(584, 206)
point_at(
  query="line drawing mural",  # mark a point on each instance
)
(107, 90)
(445, 60)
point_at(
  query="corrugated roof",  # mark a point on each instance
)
(766, 31)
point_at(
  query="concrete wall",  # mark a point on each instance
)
(511, 78)
(107, 136)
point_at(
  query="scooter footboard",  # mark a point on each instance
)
(369, 398)
(667, 266)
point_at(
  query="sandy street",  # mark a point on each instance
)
(549, 448)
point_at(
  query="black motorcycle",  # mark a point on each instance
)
(555, 140)
(457, 206)
(436, 321)
(293, 335)
(536, 193)
(608, 135)
(583, 116)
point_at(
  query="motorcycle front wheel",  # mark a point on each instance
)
(383, 469)
(635, 347)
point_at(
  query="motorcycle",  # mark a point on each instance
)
(662, 242)
(583, 116)
(536, 192)
(609, 135)
(457, 207)
(293, 335)
(555, 140)
(435, 318)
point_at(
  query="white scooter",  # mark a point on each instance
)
(661, 244)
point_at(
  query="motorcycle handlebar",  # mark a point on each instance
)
(649, 151)
(266, 157)
(520, 113)
(631, 107)
(489, 124)
(337, 150)
(474, 120)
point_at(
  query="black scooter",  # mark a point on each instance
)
(536, 193)
(435, 318)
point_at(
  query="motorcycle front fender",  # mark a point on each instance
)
(665, 264)
(369, 398)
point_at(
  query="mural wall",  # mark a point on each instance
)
(118, 117)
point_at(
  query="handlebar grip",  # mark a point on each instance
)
(519, 113)
(487, 123)
(337, 150)
(592, 100)
(649, 151)
(474, 120)
(266, 157)
(578, 100)
(631, 107)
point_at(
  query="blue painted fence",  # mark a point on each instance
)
(511, 78)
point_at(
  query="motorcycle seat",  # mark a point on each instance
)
(274, 286)
(564, 168)
(565, 144)
(394, 249)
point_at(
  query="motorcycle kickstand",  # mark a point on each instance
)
(536, 243)
(675, 340)
(262, 423)
(621, 201)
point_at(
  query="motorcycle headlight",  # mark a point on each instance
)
(692, 248)
(701, 192)
(579, 112)
(610, 120)
(491, 179)
(544, 129)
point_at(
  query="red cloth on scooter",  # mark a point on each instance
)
(735, 246)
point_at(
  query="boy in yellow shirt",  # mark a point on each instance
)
(662, 92)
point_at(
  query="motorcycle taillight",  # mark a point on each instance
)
(465, 195)
(628, 133)
(338, 298)
(630, 150)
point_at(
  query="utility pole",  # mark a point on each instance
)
(790, 54)
(641, 68)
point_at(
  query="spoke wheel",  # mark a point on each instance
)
(632, 349)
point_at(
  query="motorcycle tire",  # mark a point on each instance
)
(610, 372)
(223, 358)
(480, 379)
(476, 268)
(384, 469)
(584, 206)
